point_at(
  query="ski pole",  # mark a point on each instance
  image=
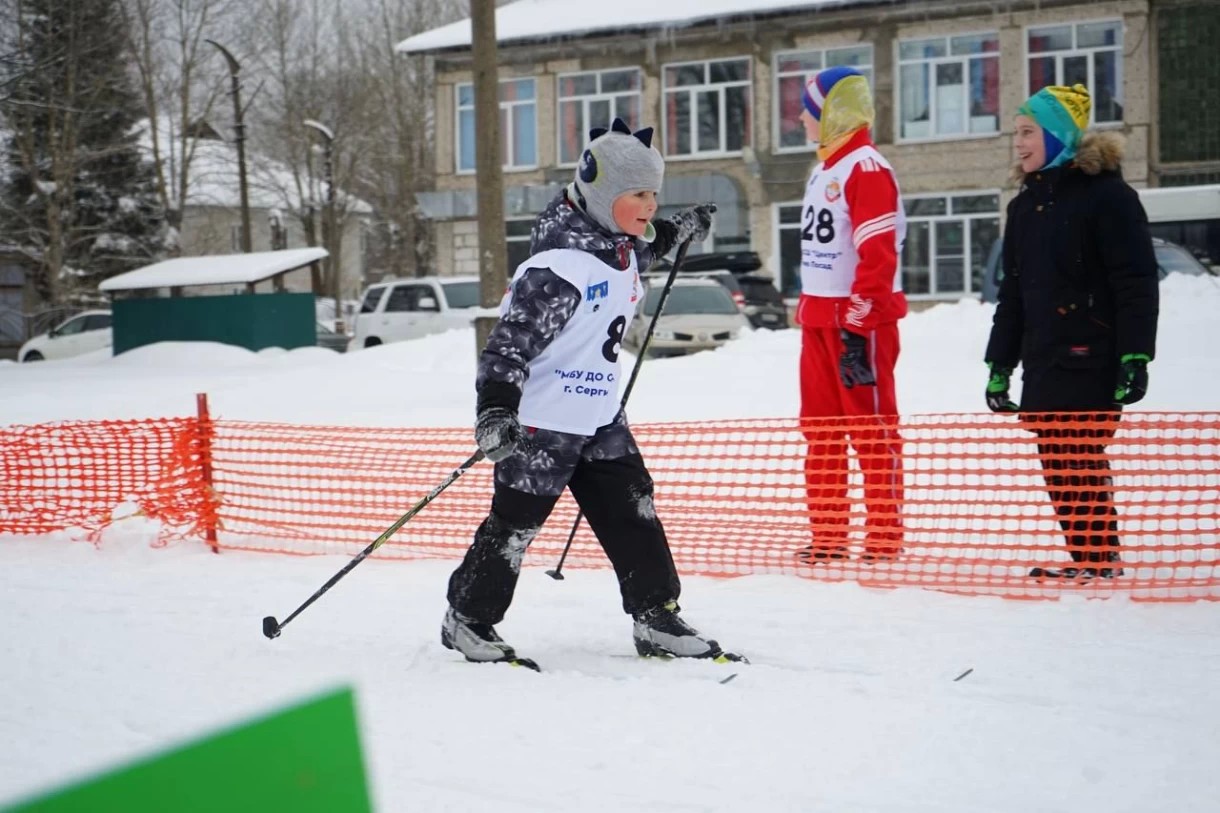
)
(272, 628)
(557, 573)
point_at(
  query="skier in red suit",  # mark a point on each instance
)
(853, 226)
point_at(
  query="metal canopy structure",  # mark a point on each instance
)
(244, 317)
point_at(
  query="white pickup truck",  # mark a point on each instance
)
(395, 310)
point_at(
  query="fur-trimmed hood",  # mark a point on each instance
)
(1099, 150)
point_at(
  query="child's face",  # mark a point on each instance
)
(1028, 144)
(634, 210)
(813, 127)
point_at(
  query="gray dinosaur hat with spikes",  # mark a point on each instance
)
(616, 161)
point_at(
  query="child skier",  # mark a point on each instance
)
(548, 413)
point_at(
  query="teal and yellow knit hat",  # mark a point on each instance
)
(1063, 114)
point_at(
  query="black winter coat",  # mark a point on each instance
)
(1080, 281)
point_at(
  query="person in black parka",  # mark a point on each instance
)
(1077, 309)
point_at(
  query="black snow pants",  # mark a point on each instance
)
(1077, 473)
(607, 477)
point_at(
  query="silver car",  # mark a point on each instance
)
(699, 315)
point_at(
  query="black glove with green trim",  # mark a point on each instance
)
(1132, 378)
(998, 399)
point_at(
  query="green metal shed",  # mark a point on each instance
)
(249, 318)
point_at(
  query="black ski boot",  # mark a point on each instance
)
(1086, 572)
(817, 554)
(662, 632)
(479, 643)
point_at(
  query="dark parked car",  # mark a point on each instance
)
(1170, 259)
(764, 304)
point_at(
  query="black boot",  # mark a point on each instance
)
(661, 631)
(818, 553)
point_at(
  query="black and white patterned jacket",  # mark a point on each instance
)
(543, 302)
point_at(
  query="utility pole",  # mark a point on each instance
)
(240, 128)
(493, 254)
(328, 224)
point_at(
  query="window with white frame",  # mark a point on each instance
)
(948, 239)
(518, 125)
(792, 71)
(707, 107)
(595, 99)
(1087, 53)
(949, 86)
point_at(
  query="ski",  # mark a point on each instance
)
(730, 657)
(514, 660)
(719, 656)
(528, 663)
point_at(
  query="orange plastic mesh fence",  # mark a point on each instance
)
(966, 503)
(76, 474)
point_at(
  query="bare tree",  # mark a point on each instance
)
(180, 81)
(335, 63)
(396, 122)
(290, 45)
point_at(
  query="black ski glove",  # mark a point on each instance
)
(853, 364)
(998, 399)
(693, 223)
(1132, 378)
(497, 431)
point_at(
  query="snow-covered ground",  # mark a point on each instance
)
(850, 704)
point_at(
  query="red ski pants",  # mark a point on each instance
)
(876, 444)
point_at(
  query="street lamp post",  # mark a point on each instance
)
(240, 128)
(328, 173)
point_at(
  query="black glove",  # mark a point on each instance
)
(998, 399)
(497, 431)
(1132, 378)
(693, 223)
(853, 364)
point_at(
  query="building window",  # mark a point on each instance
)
(595, 99)
(1087, 53)
(792, 71)
(518, 235)
(948, 239)
(788, 231)
(949, 86)
(707, 107)
(518, 125)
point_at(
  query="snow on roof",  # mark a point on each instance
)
(216, 269)
(214, 179)
(547, 19)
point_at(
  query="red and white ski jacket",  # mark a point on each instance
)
(852, 228)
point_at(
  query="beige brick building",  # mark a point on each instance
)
(724, 94)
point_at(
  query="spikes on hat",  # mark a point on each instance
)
(620, 126)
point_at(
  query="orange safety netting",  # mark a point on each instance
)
(75, 474)
(956, 502)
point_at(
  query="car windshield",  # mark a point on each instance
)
(371, 298)
(461, 294)
(1173, 258)
(687, 299)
